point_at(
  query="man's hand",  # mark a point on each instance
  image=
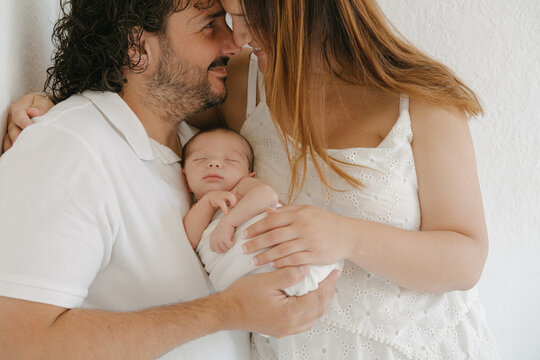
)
(257, 304)
(21, 113)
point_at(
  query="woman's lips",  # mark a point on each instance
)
(258, 52)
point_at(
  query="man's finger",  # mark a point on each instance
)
(287, 277)
(315, 302)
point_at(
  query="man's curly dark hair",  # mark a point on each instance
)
(93, 38)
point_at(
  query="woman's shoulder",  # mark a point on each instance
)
(234, 108)
(423, 111)
(428, 119)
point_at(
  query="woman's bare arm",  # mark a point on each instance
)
(449, 251)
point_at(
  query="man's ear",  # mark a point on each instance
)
(140, 51)
(251, 174)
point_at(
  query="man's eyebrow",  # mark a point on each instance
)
(215, 15)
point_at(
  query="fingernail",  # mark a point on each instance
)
(244, 249)
(273, 264)
(255, 261)
(245, 234)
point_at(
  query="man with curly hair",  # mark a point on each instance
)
(94, 261)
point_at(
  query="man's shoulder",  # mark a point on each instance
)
(72, 113)
(78, 119)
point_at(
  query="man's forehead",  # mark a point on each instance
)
(203, 9)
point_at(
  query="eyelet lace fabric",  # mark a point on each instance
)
(370, 317)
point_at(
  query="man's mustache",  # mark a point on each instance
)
(221, 61)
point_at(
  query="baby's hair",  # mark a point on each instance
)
(185, 148)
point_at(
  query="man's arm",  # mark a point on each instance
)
(254, 303)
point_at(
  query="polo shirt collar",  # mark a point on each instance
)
(118, 112)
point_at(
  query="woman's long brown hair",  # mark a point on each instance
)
(358, 46)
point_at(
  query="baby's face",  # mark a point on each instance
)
(216, 161)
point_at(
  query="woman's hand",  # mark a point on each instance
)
(21, 113)
(298, 235)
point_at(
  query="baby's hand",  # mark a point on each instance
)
(221, 238)
(221, 199)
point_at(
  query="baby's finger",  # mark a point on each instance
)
(222, 247)
(223, 206)
(232, 200)
(229, 243)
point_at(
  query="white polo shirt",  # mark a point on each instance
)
(91, 215)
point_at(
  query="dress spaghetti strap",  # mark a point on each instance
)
(252, 83)
(403, 103)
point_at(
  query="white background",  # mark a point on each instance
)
(494, 46)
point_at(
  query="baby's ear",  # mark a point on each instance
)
(251, 174)
(184, 174)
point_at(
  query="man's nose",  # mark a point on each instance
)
(229, 46)
(215, 163)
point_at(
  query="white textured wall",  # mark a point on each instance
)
(494, 45)
(25, 31)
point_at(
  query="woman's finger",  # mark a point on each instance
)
(13, 131)
(299, 258)
(280, 251)
(288, 208)
(269, 239)
(270, 222)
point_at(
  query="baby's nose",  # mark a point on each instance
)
(215, 163)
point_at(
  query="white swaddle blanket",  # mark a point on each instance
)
(224, 269)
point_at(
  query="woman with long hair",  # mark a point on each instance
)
(370, 136)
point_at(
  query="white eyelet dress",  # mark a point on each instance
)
(369, 317)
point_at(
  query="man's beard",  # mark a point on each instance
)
(178, 91)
